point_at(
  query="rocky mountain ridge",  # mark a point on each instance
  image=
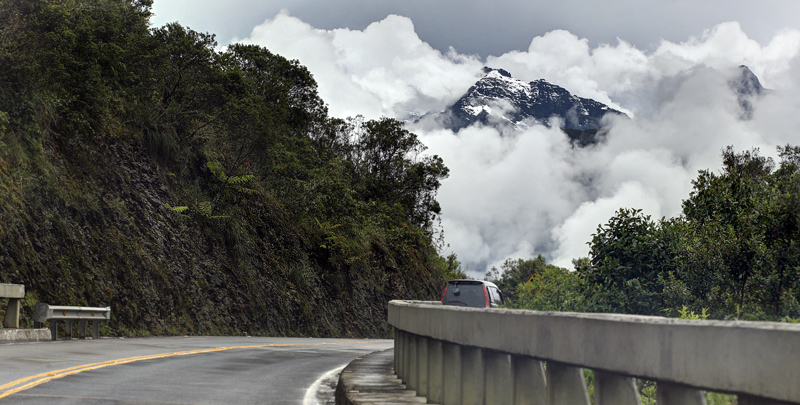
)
(502, 101)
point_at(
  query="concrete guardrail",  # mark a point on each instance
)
(456, 355)
(15, 293)
(54, 313)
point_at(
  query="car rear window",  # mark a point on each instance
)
(465, 294)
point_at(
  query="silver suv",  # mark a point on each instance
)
(472, 293)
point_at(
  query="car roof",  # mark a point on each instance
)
(464, 281)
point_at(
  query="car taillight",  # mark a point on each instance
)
(444, 292)
(486, 295)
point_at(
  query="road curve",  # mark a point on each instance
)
(173, 370)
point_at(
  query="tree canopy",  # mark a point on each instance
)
(733, 251)
(141, 166)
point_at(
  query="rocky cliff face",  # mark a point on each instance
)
(104, 237)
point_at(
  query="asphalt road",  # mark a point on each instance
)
(176, 370)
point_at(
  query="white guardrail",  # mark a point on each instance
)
(54, 313)
(456, 355)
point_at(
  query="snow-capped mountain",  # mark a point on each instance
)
(499, 99)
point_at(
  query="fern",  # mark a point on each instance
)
(217, 170)
(179, 209)
(241, 179)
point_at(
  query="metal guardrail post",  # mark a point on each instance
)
(451, 375)
(54, 329)
(530, 387)
(672, 394)
(566, 385)
(614, 389)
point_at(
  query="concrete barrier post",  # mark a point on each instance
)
(11, 320)
(399, 352)
(566, 385)
(396, 353)
(451, 374)
(499, 378)
(422, 365)
(406, 356)
(435, 366)
(614, 389)
(750, 400)
(412, 380)
(15, 293)
(672, 394)
(473, 370)
(530, 387)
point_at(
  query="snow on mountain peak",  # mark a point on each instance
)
(500, 99)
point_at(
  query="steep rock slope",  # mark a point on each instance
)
(196, 191)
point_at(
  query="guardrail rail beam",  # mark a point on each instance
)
(54, 313)
(614, 389)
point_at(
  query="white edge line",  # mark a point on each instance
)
(311, 394)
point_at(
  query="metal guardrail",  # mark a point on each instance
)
(54, 313)
(456, 355)
(15, 293)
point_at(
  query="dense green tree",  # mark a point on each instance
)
(200, 191)
(733, 252)
(553, 288)
(514, 272)
(628, 256)
(742, 235)
(390, 168)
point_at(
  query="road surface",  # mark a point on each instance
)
(175, 370)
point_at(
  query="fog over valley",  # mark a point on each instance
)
(523, 192)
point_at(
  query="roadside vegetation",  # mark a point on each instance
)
(733, 254)
(196, 191)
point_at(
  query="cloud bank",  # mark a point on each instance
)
(529, 192)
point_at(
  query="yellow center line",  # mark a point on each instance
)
(42, 378)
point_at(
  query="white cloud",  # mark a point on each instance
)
(530, 192)
(384, 70)
(574, 232)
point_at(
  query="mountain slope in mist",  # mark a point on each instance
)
(746, 86)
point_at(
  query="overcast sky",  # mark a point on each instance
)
(515, 195)
(494, 27)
